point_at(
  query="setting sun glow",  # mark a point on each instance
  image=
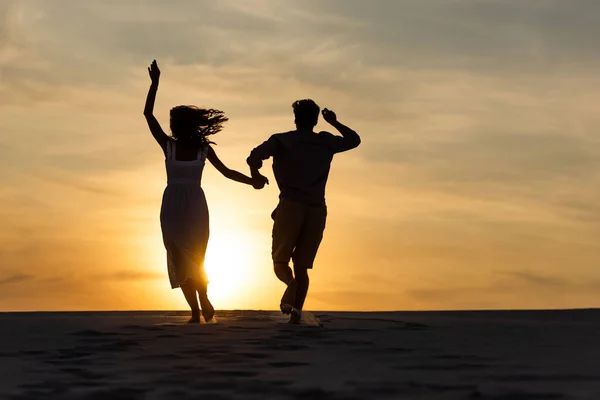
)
(228, 261)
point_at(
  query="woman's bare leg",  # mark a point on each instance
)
(189, 291)
(208, 311)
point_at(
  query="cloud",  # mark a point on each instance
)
(505, 156)
(132, 275)
(360, 299)
(473, 35)
(534, 279)
(16, 278)
(341, 45)
(83, 186)
(584, 210)
(512, 289)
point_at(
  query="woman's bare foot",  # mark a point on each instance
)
(208, 315)
(208, 311)
(195, 317)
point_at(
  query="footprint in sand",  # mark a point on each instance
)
(232, 373)
(256, 356)
(119, 393)
(443, 367)
(544, 378)
(142, 327)
(275, 344)
(242, 328)
(75, 353)
(288, 364)
(93, 333)
(83, 373)
(117, 346)
(32, 353)
(290, 347)
(168, 335)
(44, 389)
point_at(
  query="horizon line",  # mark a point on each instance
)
(314, 311)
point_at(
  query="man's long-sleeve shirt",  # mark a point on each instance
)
(301, 161)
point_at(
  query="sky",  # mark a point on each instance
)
(476, 186)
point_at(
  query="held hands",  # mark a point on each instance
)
(259, 181)
(329, 116)
(154, 72)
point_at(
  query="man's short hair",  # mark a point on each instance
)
(306, 112)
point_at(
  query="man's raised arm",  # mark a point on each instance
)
(349, 139)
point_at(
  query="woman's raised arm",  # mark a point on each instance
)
(160, 135)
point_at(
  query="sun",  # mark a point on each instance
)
(229, 260)
(232, 261)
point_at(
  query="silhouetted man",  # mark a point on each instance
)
(301, 163)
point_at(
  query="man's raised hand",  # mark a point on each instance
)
(329, 116)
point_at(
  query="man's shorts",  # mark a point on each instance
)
(297, 232)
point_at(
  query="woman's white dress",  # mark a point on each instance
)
(184, 218)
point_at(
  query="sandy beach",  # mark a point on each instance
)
(256, 355)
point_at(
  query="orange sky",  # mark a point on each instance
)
(476, 185)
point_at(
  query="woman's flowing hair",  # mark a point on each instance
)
(194, 125)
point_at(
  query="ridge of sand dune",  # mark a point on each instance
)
(254, 354)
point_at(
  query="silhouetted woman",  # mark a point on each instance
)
(184, 212)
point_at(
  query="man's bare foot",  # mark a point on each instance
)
(288, 298)
(295, 317)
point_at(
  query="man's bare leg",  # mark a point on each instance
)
(301, 277)
(285, 275)
(303, 282)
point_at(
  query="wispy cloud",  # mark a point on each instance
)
(133, 275)
(360, 299)
(16, 278)
(535, 279)
(511, 289)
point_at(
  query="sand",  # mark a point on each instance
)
(256, 355)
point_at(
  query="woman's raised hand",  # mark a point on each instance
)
(154, 72)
